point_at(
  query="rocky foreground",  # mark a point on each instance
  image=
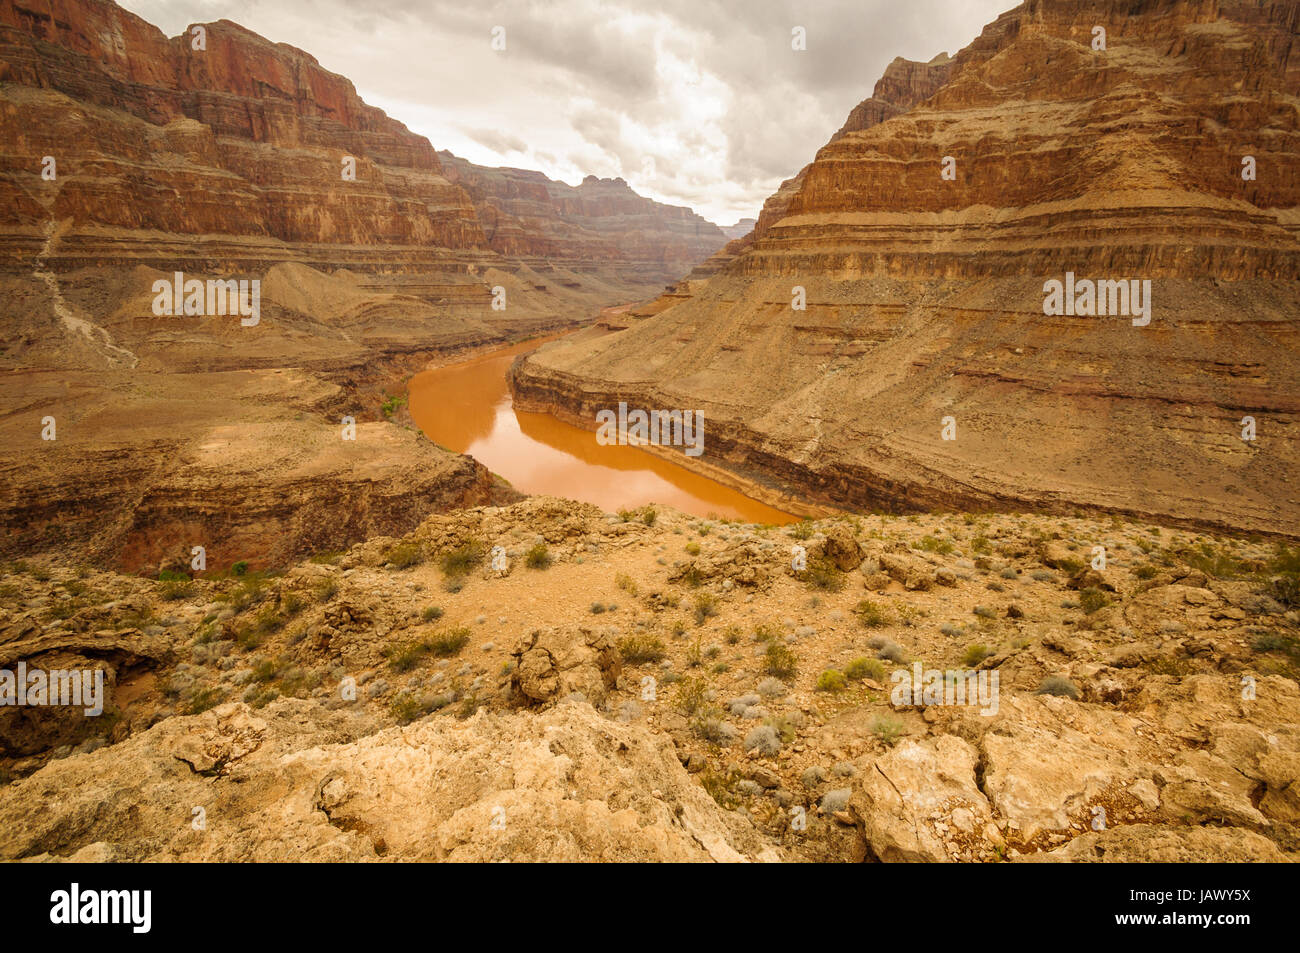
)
(652, 686)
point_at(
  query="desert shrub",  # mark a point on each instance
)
(404, 555)
(837, 800)
(1286, 589)
(538, 557)
(891, 652)
(930, 544)
(405, 709)
(887, 729)
(975, 654)
(173, 590)
(1093, 599)
(693, 655)
(812, 776)
(449, 641)
(202, 700)
(863, 667)
(648, 515)
(802, 529)
(831, 680)
(740, 705)
(825, 575)
(871, 614)
(691, 697)
(693, 549)
(1058, 685)
(1145, 572)
(1170, 665)
(984, 612)
(713, 729)
(953, 631)
(765, 739)
(780, 661)
(325, 588)
(391, 404)
(240, 568)
(639, 649)
(597, 608)
(431, 614)
(407, 655)
(626, 583)
(461, 560)
(981, 545)
(1042, 575)
(1009, 573)
(772, 688)
(706, 606)
(766, 632)
(264, 670)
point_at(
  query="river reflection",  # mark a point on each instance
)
(467, 408)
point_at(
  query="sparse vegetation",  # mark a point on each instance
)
(887, 729)
(831, 680)
(1058, 685)
(639, 649)
(863, 667)
(462, 560)
(780, 661)
(405, 555)
(538, 557)
(871, 614)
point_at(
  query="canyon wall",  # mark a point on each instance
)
(897, 284)
(586, 227)
(126, 157)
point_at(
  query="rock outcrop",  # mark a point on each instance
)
(898, 283)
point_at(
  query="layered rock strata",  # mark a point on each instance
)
(899, 284)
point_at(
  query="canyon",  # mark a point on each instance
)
(330, 573)
(897, 283)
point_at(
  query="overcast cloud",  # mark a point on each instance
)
(694, 102)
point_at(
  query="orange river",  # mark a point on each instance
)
(466, 407)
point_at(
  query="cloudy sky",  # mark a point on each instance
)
(694, 102)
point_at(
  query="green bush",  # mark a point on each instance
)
(831, 680)
(780, 661)
(462, 559)
(863, 667)
(887, 729)
(870, 614)
(1092, 599)
(538, 557)
(405, 555)
(1058, 685)
(639, 649)
(449, 641)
